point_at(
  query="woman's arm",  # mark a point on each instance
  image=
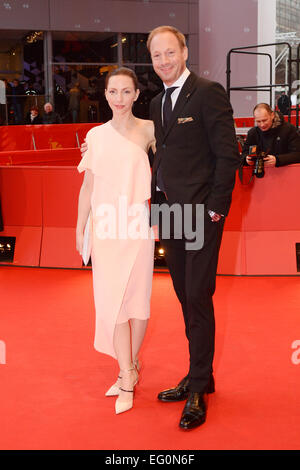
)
(84, 206)
(151, 146)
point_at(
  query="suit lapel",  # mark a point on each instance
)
(157, 117)
(184, 95)
(186, 91)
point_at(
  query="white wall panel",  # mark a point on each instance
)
(24, 14)
(126, 16)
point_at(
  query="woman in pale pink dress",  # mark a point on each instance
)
(117, 184)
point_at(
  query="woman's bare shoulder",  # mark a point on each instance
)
(145, 123)
(148, 130)
(148, 126)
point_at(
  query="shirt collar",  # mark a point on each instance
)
(180, 81)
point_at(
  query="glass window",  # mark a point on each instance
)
(79, 92)
(149, 85)
(22, 69)
(81, 63)
(134, 47)
(85, 47)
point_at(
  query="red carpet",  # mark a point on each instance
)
(53, 381)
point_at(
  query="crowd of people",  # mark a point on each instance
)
(17, 99)
(48, 117)
(24, 104)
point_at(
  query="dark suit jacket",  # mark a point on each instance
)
(199, 157)
(52, 118)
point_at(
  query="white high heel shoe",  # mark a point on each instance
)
(114, 390)
(121, 406)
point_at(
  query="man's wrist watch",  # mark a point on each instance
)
(212, 213)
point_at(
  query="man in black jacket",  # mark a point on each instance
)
(284, 103)
(279, 139)
(18, 93)
(50, 116)
(195, 164)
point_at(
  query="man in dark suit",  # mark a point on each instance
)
(284, 103)
(195, 163)
(50, 116)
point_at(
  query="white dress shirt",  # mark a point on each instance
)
(179, 83)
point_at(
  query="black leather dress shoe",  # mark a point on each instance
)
(178, 393)
(211, 385)
(194, 412)
(181, 391)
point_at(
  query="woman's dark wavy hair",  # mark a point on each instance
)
(122, 71)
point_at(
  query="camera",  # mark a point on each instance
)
(256, 154)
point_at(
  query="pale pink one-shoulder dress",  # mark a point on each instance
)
(122, 261)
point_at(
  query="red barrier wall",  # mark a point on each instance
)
(50, 136)
(39, 206)
(39, 192)
(263, 226)
(51, 144)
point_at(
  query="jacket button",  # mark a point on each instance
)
(164, 146)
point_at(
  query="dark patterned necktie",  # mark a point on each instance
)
(167, 112)
(167, 109)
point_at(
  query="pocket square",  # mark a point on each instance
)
(183, 120)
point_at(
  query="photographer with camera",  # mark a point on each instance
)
(272, 142)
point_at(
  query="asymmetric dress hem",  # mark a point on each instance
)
(122, 242)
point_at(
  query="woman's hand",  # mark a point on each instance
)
(79, 242)
(83, 148)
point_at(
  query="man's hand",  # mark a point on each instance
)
(270, 160)
(249, 160)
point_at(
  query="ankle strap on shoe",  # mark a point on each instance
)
(127, 370)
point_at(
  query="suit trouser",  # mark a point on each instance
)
(193, 274)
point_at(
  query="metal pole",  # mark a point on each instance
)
(77, 139)
(33, 140)
(271, 81)
(241, 50)
(120, 50)
(49, 88)
(3, 100)
(298, 86)
(228, 73)
(290, 80)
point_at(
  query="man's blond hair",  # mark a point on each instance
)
(265, 106)
(167, 29)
